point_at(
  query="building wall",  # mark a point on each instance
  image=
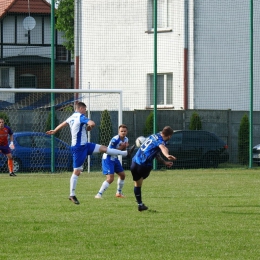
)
(43, 75)
(117, 52)
(222, 54)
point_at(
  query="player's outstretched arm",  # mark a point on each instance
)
(58, 128)
(165, 152)
(161, 160)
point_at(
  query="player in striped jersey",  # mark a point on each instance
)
(79, 125)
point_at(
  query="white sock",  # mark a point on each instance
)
(73, 184)
(116, 152)
(120, 185)
(103, 187)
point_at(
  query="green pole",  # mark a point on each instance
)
(52, 83)
(155, 75)
(251, 84)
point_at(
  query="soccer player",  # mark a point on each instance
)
(6, 131)
(112, 165)
(79, 125)
(142, 162)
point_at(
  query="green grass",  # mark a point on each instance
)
(193, 214)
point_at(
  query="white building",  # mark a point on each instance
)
(203, 52)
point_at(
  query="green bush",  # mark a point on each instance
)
(243, 141)
(6, 118)
(105, 128)
(195, 122)
(148, 129)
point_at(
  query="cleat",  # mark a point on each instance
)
(120, 195)
(142, 207)
(98, 196)
(74, 199)
(130, 151)
(12, 174)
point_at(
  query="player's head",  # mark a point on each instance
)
(166, 133)
(122, 130)
(81, 107)
(2, 122)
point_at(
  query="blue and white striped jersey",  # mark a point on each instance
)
(77, 123)
(114, 144)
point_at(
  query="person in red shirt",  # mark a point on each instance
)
(6, 131)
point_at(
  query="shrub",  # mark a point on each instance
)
(148, 129)
(6, 118)
(243, 141)
(195, 122)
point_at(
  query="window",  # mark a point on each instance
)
(5, 78)
(176, 139)
(61, 53)
(163, 15)
(164, 89)
(27, 81)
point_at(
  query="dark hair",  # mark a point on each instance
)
(122, 126)
(167, 131)
(80, 104)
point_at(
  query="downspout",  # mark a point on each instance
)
(185, 57)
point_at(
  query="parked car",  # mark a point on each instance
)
(33, 152)
(256, 154)
(194, 149)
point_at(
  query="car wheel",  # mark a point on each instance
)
(17, 165)
(210, 161)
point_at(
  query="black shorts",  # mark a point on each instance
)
(140, 171)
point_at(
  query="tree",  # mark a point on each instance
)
(105, 128)
(243, 141)
(6, 118)
(148, 129)
(195, 122)
(65, 22)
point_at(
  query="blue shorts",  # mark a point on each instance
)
(80, 153)
(5, 149)
(111, 167)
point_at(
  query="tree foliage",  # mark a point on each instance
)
(243, 141)
(6, 118)
(195, 122)
(65, 22)
(148, 129)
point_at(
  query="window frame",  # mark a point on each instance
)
(163, 20)
(167, 90)
(7, 78)
(28, 75)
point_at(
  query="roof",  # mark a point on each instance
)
(24, 7)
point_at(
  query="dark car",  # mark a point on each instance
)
(33, 152)
(256, 154)
(200, 149)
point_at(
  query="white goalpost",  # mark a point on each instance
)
(32, 110)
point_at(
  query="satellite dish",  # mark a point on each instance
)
(29, 23)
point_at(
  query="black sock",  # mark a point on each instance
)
(138, 195)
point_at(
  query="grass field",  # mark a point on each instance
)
(193, 214)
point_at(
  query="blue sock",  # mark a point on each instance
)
(138, 196)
